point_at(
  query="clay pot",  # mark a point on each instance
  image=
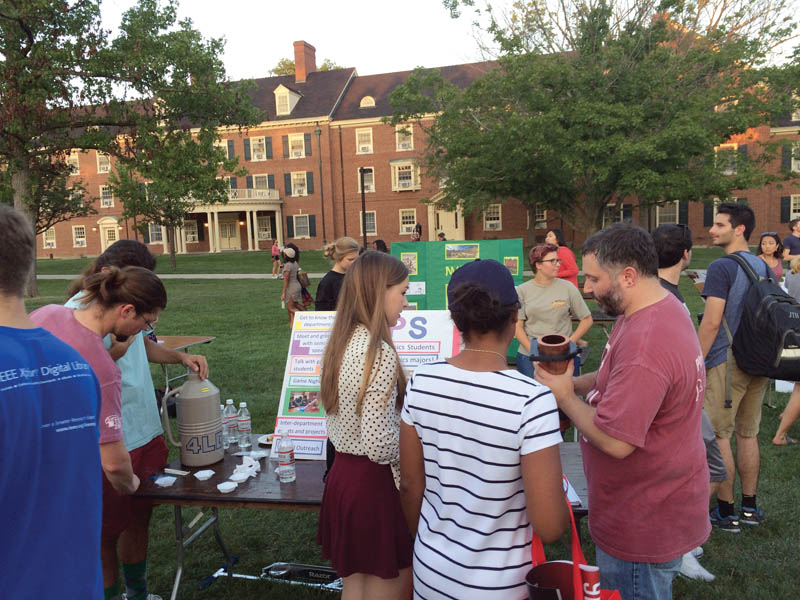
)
(552, 345)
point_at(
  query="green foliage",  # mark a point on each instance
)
(285, 66)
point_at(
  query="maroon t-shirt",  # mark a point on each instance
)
(651, 506)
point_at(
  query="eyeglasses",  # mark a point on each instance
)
(151, 325)
(555, 261)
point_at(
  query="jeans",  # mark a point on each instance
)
(637, 580)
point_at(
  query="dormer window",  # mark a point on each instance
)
(367, 102)
(285, 100)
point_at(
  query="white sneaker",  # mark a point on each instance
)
(697, 552)
(692, 569)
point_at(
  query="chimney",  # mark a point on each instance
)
(305, 60)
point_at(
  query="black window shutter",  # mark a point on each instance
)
(742, 201)
(234, 183)
(290, 227)
(268, 146)
(627, 213)
(247, 148)
(307, 141)
(249, 182)
(271, 182)
(743, 151)
(272, 226)
(708, 214)
(200, 232)
(285, 141)
(683, 213)
(231, 152)
(312, 225)
(786, 157)
(146, 233)
(287, 183)
(309, 182)
(786, 208)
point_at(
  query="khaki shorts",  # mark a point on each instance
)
(747, 394)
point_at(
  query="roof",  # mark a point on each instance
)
(319, 93)
(380, 86)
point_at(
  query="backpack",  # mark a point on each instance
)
(767, 342)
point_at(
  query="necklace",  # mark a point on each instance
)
(485, 351)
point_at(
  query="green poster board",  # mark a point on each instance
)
(430, 265)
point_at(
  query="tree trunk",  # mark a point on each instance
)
(21, 184)
(171, 240)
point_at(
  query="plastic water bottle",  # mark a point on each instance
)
(287, 473)
(243, 426)
(225, 443)
(274, 457)
(230, 419)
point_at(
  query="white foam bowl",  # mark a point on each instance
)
(205, 474)
(227, 486)
(165, 481)
(239, 477)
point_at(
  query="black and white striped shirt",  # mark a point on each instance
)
(474, 536)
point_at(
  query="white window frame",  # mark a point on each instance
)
(407, 228)
(254, 156)
(190, 230)
(795, 158)
(374, 231)
(796, 113)
(369, 187)
(74, 161)
(367, 102)
(296, 191)
(794, 207)
(364, 147)
(307, 226)
(730, 168)
(660, 213)
(106, 202)
(282, 104)
(493, 218)
(78, 241)
(49, 239)
(156, 233)
(113, 231)
(263, 228)
(404, 141)
(540, 218)
(406, 186)
(294, 137)
(265, 176)
(105, 166)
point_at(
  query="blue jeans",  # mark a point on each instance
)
(637, 580)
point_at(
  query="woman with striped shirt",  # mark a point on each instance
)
(479, 460)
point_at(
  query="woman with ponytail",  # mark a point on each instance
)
(342, 252)
(361, 526)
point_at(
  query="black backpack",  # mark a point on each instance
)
(767, 342)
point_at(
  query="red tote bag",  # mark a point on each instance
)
(565, 579)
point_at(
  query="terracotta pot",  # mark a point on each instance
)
(552, 345)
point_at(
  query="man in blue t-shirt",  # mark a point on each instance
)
(733, 398)
(791, 243)
(50, 486)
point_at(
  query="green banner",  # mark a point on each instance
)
(430, 265)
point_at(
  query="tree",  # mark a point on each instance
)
(66, 84)
(632, 104)
(285, 66)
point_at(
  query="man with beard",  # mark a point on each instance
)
(642, 449)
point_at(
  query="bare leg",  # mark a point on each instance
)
(110, 562)
(748, 461)
(369, 587)
(788, 417)
(725, 490)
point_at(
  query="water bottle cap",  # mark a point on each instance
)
(229, 401)
(242, 404)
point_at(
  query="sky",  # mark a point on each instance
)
(374, 37)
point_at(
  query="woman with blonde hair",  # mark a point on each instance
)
(342, 252)
(362, 530)
(792, 411)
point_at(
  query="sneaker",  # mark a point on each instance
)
(697, 552)
(729, 524)
(692, 569)
(752, 516)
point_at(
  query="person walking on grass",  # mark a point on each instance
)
(276, 259)
(50, 486)
(640, 425)
(733, 398)
(292, 294)
(674, 248)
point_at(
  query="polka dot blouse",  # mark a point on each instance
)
(375, 433)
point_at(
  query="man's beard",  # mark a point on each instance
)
(610, 303)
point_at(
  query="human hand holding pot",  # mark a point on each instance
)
(561, 385)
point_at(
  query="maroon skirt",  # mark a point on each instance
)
(362, 528)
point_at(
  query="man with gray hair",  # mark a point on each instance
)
(640, 422)
(50, 487)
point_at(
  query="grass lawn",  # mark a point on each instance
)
(247, 363)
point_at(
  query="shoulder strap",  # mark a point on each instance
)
(748, 269)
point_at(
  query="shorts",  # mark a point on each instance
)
(119, 510)
(716, 467)
(276, 258)
(747, 394)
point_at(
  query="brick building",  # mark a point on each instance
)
(304, 181)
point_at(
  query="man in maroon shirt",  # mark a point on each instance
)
(642, 449)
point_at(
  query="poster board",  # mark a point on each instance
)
(420, 337)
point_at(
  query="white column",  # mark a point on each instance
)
(218, 247)
(210, 232)
(255, 230)
(183, 240)
(165, 240)
(248, 222)
(279, 226)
